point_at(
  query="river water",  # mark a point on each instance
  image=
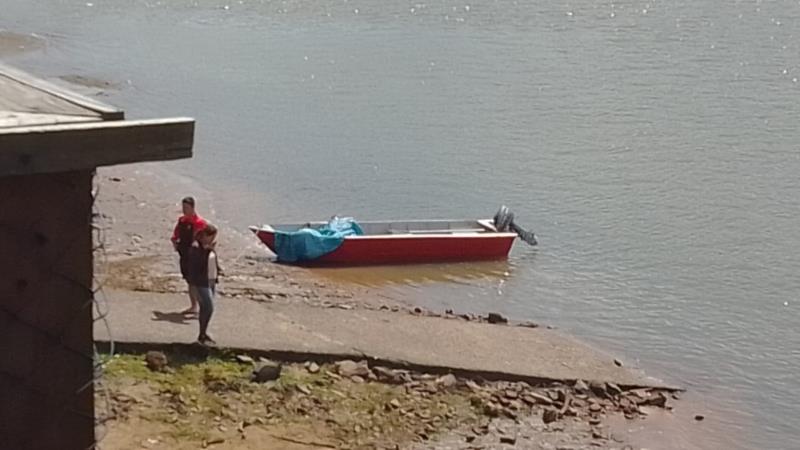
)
(652, 145)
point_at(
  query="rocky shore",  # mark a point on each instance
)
(236, 401)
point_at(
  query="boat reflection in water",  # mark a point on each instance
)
(467, 273)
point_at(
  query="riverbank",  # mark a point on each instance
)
(138, 270)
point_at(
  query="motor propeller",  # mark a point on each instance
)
(504, 221)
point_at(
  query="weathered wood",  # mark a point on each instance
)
(61, 148)
(21, 90)
(23, 119)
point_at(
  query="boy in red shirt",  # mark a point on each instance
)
(184, 235)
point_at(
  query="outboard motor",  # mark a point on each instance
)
(504, 221)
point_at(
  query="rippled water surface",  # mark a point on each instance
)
(653, 146)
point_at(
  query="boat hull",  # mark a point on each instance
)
(409, 249)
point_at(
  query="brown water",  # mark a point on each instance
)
(653, 146)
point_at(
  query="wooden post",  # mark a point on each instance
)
(46, 369)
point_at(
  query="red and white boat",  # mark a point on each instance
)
(413, 241)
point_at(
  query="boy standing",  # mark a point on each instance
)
(203, 268)
(184, 235)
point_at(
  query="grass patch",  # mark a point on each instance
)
(201, 398)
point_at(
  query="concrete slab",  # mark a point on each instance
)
(399, 339)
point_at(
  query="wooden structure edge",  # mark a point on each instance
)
(78, 146)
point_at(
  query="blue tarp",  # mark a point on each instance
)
(308, 244)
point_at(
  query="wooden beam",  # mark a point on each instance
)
(22, 119)
(66, 147)
(106, 112)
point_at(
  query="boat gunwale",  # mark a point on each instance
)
(481, 233)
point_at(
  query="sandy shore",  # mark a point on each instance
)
(137, 207)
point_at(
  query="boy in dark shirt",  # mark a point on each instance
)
(203, 268)
(184, 235)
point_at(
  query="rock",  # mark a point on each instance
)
(303, 389)
(395, 403)
(532, 398)
(473, 386)
(313, 367)
(470, 438)
(595, 408)
(496, 318)
(529, 325)
(348, 368)
(594, 420)
(618, 363)
(115, 179)
(481, 430)
(599, 389)
(549, 415)
(213, 441)
(385, 375)
(357, 379)
(510, 413)
(513, 395)
(333, 375)
(659, 399)
(492, 409)
(244, 359)
(598, 434)
(580, 386)
(447, 381)
(266, 371)
(417, 310)
(511, 440)
(613, 389)
(156, 361)
(699, 417)
(429, 387)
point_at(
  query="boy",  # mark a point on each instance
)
(184, 235)
(203, 274)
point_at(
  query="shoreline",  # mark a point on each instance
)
(139, 258)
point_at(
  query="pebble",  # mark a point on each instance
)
(699, 417)
(549, 416)
(496, 318)
(244, 359)
(313, 367)
(447, 381)
(156, 361)
(266, 371)
(511, 440)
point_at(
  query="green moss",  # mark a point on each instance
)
(197, 395)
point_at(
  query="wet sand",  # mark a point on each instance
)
(137, 207)
(12, 43)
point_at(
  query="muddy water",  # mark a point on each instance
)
(651, 144)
